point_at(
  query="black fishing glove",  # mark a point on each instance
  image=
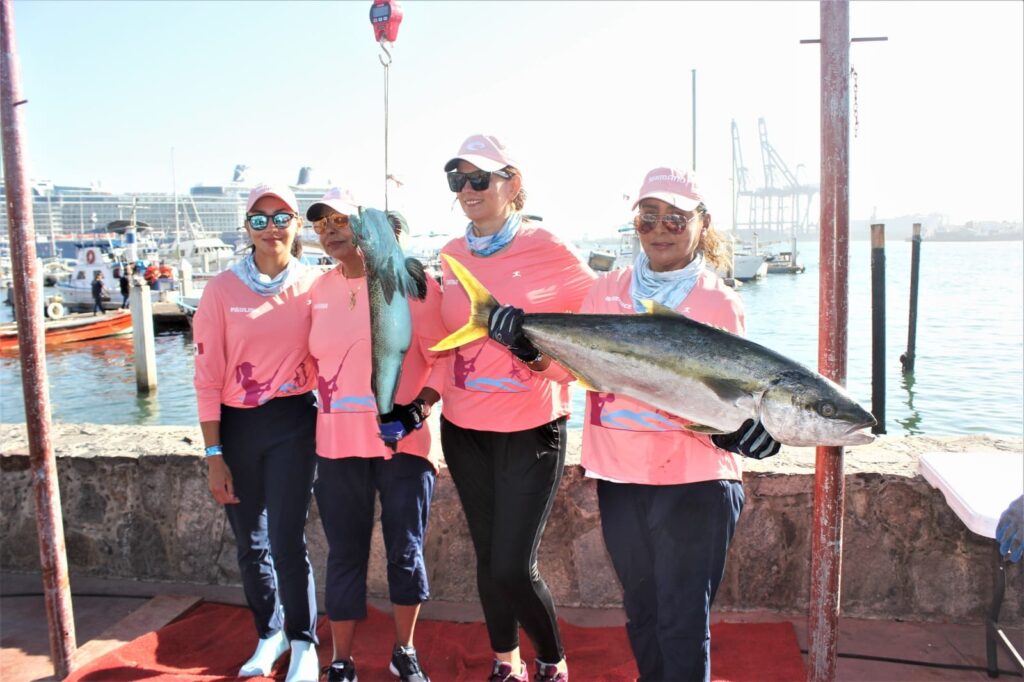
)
(402, 420)
(751, 440)
(506, 327)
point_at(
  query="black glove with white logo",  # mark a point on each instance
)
(402, 420)
(751, 440)
(506, 327)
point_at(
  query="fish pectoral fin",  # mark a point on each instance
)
(655, 308)
(703, 428)
(728, 391)
(419, 278)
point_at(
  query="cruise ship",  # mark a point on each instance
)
(68, 214)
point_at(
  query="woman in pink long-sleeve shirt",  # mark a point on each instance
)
(354, 466)
(669, 498)
(254, 379)
(503, 419)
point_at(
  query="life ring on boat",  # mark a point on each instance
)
(55, 310)
(90, 256)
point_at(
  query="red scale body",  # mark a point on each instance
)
(385, 16)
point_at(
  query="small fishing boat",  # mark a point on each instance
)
(71, 328)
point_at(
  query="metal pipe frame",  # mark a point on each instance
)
(827, 533)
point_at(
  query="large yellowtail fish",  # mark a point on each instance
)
(390, 279)
(707, 376)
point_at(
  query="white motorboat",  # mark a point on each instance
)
(76, 291)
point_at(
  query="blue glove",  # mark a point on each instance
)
(1010, 531)
(506, 327)
(402, 420)
(751, 440)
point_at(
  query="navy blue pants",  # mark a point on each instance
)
(507, 484)
(668, 544)
(345, 492)
(271, 452)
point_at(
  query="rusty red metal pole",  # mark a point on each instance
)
(827, 533)
(29, 310)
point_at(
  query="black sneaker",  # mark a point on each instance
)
(342, 671)
(405, 666)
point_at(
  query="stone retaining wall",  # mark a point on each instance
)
(136, 506)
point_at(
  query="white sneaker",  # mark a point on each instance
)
(268, 650)
(305, 666)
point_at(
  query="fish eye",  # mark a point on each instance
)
(826, 409)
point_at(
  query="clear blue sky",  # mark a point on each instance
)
(589, 96)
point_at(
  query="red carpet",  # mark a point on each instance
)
(211, 642)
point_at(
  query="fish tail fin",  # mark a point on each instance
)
(481, 304)
(419, 278)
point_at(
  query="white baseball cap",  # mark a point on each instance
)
(485, 152)
(337, 198)
(282, 192)
(673, 186)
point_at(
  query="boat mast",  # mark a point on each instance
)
(174, 190)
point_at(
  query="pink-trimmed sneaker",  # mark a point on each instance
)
(547, 672)
(502, 672)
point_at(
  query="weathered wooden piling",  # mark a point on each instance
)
(28, 304)
(907, 359)
(142, 338)
(878, 327)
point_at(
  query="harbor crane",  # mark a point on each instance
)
(782, 205)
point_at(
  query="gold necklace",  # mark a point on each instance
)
(351, 292)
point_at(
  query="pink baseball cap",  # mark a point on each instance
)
(337, 198)
(485, 152)
(673, 186)
(282, 192)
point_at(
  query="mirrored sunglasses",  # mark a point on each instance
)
(675, 223)
(335, 220)
(478, 180)
(261, 221)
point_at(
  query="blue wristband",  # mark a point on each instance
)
(214, 450)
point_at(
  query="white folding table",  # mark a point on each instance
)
(978, 487)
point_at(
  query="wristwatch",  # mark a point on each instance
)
(214, 450)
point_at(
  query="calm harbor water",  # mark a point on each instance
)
(969, 375)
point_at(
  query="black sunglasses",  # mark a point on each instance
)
(261, 221)
(478, 180)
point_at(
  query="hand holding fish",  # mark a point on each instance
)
(403, 420)
(1010, 531)
(506, 327)
(751, 440)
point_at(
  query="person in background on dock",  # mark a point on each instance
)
(125, 285)
(254, 379)
(503, 425)
(669, 497)
(354, 464)
(152, 274)
(99, 290)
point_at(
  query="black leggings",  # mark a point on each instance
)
(507, 484)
